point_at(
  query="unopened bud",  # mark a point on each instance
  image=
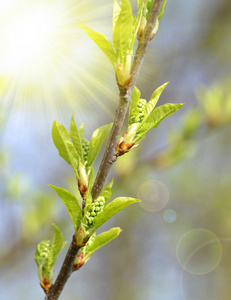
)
(141, 28)
(154, 31)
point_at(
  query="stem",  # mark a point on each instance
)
(125, 96)
(64, 273)
(110, 153)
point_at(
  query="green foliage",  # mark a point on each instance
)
(116, 13)
(111, 209)
(123, 32)
(162, 10)
(56, 246)
(143, 117)
(106, 193)
(152, 102)
(71, 204)
(76, 138)
(89, 196)
(92, 209)
(46, 255)
(76, 150)
(80, 153)
(125, 28)
(96, 142)
(65, 147)
(133, 109)
(102, 42)
(101, 240)
(156, 117)
(82, 131)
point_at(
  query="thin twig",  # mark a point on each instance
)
(125, 96)
(110, 153)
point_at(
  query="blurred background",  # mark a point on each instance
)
(176, 244)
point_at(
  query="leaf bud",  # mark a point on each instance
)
(155, 29)
(123, 75)
(141, 28)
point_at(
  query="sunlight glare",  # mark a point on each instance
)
(28, 37)
(47, 61)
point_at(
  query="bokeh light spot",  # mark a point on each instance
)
(154, 195)
(170, 216)
(199, 251)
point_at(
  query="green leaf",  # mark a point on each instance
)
(65, 147)
(111, 209)
(71, 203)
(82, 131)
(156, 117)
(89, 188)
(102, 239)
(56, 247)
(137, 23)
(123, 31)
(116, 12)
(96, 142)
(139, 4)
(75, 137)
(152, 102)
(133, 110)
(161, 10)
(106, 193)
(102, 42)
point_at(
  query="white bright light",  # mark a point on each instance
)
(27, 37)
(45, 58)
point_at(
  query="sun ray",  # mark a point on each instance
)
(46, 64)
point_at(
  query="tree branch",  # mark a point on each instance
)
(125, 96)
(110, 153)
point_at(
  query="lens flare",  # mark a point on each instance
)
(154, 195)
(199, 251)
(170, 216)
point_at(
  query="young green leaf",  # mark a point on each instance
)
(106, 193)
(111, 209)
(75, 137)
(162, 10)
(123, 31)
(71, 203)
(137, 23)
(65, 147)
(133, 110)
(126, 26)
(102, 239)
(96, 142)
(56, 247)
(102, 42)
(81, 131)
(152, 102)
(156, 117)
(140, 3)
(116, 12)
(89, 188)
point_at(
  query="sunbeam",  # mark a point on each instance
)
(46, 60)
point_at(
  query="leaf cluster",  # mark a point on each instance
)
(143, 116)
